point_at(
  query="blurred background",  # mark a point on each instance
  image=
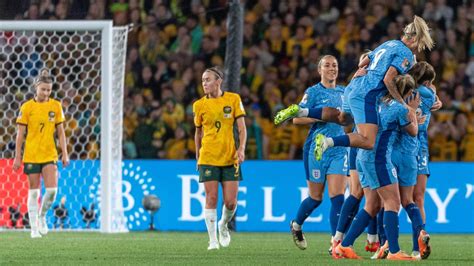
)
(173, 41)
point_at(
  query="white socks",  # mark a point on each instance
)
(303, 112)
(48, 199)
(227, 214)
(210, 215)
(33, 195)
(338, 236)
(296, 226)
(33, 206)
(329, 142)
(372, 238)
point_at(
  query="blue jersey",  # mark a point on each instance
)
(391, 53)
(355, 83)
(393, 117)
(318, 96)
(407, 144)
(428, 98)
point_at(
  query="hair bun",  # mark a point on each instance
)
(44, 72)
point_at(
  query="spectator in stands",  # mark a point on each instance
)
(179, 147)
(143, 137)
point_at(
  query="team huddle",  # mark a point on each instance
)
(389, 100)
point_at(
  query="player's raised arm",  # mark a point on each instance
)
(389, 81)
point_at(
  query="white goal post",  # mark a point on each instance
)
(87, 59)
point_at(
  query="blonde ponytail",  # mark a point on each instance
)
(404, 83)
(419, 32)
(366, 53)
(44, 72)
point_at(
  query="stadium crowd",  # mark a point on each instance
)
(173, 42)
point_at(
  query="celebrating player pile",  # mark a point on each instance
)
(381, 101)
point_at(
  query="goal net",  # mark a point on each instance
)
(87, 61)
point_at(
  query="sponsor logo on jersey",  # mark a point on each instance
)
(394, 172)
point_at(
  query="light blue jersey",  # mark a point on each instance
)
(406, 143)
(428, 98)
(377, 163)
(363, 99)
(345, 98)
(390, 53)
(406, 166)
(404, 158)
(334, 158)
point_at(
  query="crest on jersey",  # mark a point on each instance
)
(227, 111)
(51, 116)
(405, 63)
(316, 173)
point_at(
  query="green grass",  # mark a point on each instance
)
(191, 248)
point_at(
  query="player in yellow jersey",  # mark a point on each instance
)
(218, 158)
(41, 116)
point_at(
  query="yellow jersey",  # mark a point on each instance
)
(40, 120)
(216, 116)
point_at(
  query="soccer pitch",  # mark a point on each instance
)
(191, 248)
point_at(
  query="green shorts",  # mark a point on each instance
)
(35, 168)
(219, 173)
